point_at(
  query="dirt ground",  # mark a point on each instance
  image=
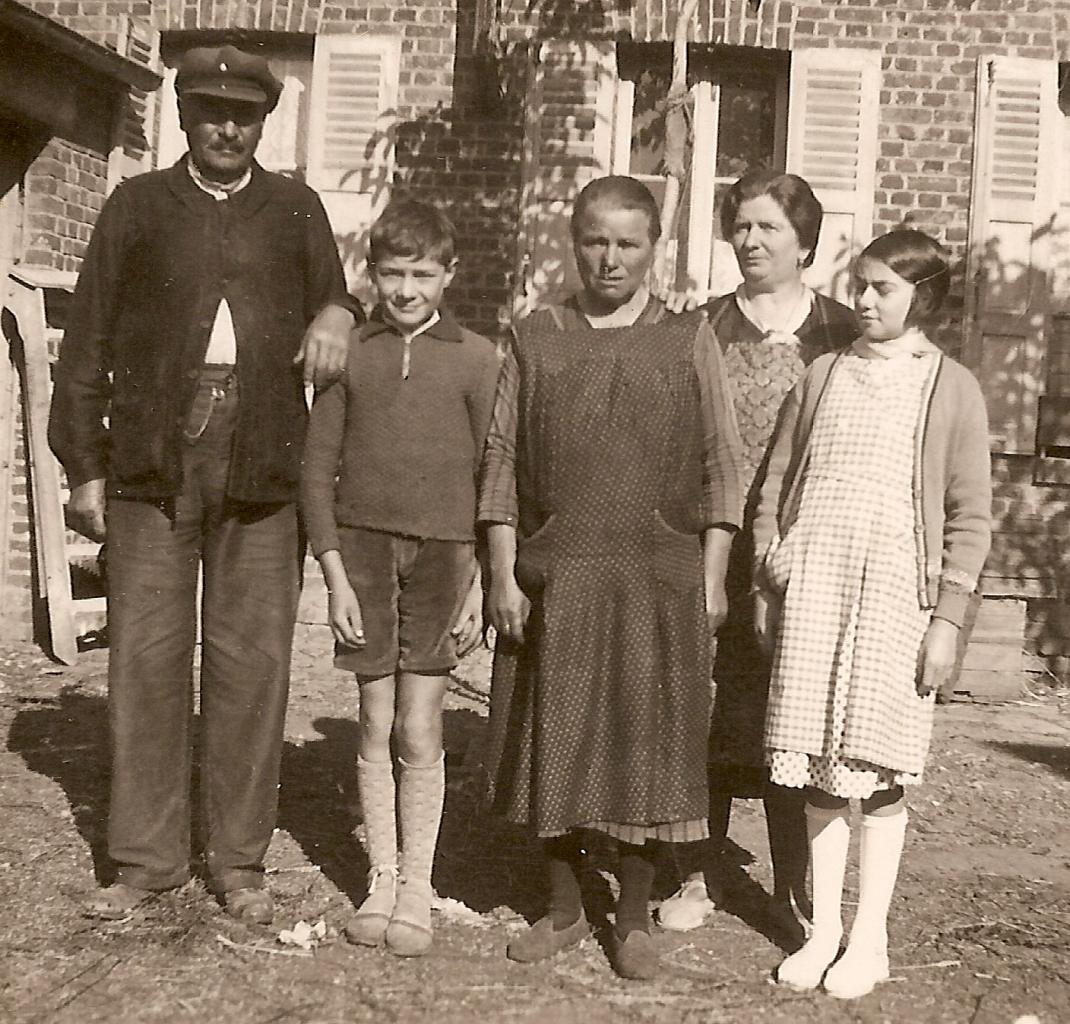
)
(980, 929)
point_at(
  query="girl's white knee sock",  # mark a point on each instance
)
(829, 833)
(866, 960)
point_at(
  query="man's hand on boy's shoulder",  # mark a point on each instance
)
(325, 346)
(682, 302)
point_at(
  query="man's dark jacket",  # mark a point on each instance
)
(162, 255)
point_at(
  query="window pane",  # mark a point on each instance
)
(648, 122)
(746, 128)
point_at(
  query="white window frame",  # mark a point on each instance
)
(705, 97)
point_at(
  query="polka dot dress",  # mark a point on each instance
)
(601, 717)
(843, 713)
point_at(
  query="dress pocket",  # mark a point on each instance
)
(677, 555)
(533, 557)
(778, 565)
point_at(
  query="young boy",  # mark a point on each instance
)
(388, 494)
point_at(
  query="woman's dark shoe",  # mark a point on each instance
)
(541, 941)
(635, 957)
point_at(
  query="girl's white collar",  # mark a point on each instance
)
(912, 342)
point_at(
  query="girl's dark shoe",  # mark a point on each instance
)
(541, 941)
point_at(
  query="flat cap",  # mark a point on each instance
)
(229, 72)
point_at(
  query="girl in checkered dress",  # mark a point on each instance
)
(871, 531)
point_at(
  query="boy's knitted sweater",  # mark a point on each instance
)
(395, 444)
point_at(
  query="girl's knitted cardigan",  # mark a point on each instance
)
(952, 480)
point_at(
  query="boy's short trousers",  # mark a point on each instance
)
(410, 593)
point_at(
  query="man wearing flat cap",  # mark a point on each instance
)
(179, 416)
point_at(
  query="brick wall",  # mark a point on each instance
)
(929, 57)
(65, 189)
(929, 51)
(16, 621)
(64, 192)
(459, 143)
(464, 156)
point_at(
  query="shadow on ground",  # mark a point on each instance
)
(65, 738)
(478, 861)
(1056, 758)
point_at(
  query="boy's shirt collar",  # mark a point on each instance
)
(444, 328)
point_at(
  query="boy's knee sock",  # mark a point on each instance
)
(636, 877)
(421, 793)
(375, 784)
(880, 852)
(564, 860)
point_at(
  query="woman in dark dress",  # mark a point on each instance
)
(610, 495)
(770, 328)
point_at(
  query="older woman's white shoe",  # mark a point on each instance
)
(686, 909)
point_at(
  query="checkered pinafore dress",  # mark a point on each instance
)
(761, 372)
(843, 712)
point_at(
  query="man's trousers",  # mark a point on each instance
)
(251, 557)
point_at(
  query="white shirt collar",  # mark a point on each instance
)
(217, 190)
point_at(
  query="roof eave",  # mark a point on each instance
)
(63, 40)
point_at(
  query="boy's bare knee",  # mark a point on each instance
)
(376, 718)
(418, 735)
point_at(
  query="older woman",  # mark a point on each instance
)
(770, 328)
(611, 491)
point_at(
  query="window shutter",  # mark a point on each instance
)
(132, 144)
(1012, 217)
(353, 104)
(833, 112)
(171, 142)
(1060, 265)
(568, 141)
